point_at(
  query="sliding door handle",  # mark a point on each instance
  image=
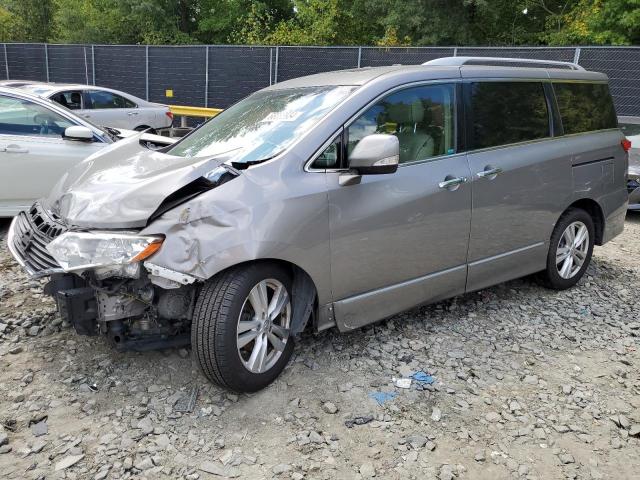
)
(490, 172)
(452, 183)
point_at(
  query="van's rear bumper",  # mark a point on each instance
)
(616, 213)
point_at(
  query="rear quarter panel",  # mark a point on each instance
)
(599, 168)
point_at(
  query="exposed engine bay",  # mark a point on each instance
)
(134, 313)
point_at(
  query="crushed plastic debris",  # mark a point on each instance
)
(423, 378)
(362, 420)
(382, 397)
(402, 382)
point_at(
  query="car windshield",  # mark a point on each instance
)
(263, 124)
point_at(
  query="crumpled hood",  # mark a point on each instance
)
(122, 185)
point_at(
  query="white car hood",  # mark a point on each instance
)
(148, 137)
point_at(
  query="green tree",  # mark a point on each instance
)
(28, 20)
(9, 26)
(220, 21)
(603, 22)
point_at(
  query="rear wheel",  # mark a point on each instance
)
(241, 327)
(570, 250)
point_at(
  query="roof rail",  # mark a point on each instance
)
(460, 61)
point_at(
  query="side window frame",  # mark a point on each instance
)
(554, 81)
(82, 102)
(338, 135)
(555, 121)
(552, 111)
(33, 135)
(459, 134)
(115, 96)
(87, 103)
(455, 121)
(126, 100)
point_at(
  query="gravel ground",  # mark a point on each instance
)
(527, 383)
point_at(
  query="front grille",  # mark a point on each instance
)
(31, 233)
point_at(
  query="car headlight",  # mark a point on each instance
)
(85, 250)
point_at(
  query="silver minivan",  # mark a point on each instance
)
(334, 200)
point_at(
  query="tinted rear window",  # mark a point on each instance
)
(585, 107)
(508, 112)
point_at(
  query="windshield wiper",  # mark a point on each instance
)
(251, 163)
(112, 132)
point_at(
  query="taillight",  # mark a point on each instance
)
(626, 144)
(169, 114)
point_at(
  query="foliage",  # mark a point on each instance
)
(600, 22)
(323, 22)
(9, 26)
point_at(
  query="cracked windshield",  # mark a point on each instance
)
(262, 125)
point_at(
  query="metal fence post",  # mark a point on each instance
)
(455, 51)
(146, 72)
(93, 64)
(271, 66)
(206, 77)
(6, 60)
(46, 60)
(576, 56)
(275, 73)
(86, 67)
(359, 56)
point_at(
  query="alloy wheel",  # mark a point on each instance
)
(264, 325)
(572, 250)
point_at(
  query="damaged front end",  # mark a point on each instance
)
(132, 312)
(102, 280)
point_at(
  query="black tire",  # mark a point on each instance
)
(550, 277)
(214, 327)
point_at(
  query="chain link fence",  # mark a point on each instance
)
(217, 76)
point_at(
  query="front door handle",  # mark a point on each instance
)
(132, 113)
(490, 172)
(15, 149)
(452, 183)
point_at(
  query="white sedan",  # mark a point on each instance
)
(40, 140)
(103, 106)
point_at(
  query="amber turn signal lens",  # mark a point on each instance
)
(152, 248)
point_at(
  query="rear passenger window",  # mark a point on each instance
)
(508, 112)
(100, 99)
(585, 107)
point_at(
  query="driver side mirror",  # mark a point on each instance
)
(78, 132)
(375, 154)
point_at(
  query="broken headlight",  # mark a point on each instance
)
(118, 251)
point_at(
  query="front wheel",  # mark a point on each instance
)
(241, 327)
(570, 250)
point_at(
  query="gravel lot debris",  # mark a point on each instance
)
(527, 383)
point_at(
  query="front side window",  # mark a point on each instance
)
(585, 107)
(262, 125)
(72, 99)
(330, 157)
(22, 117)
(508, 112)
(99, 99)
(421, 117)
